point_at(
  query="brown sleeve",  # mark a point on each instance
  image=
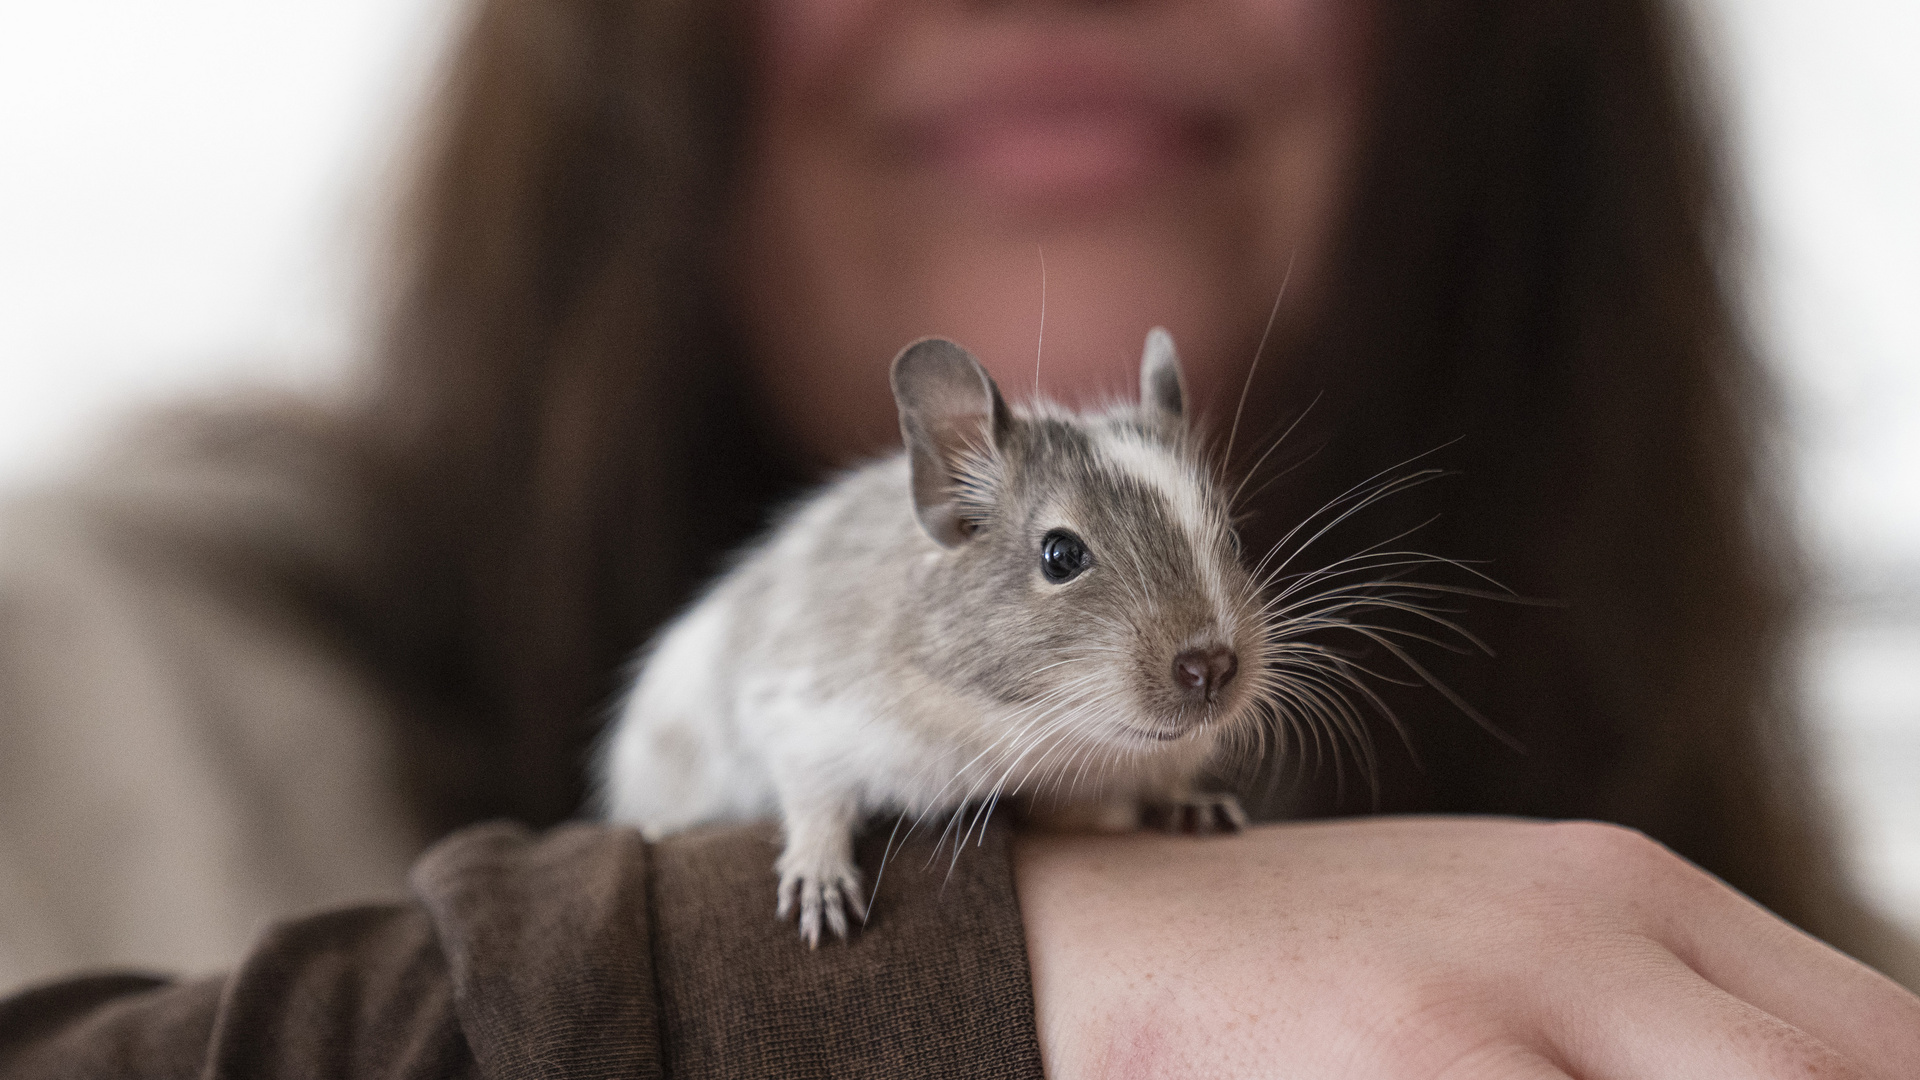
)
(936, 984)
(582, 953)
(108, 1025)
(361, 992)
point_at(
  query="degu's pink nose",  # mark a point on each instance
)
(1203, 672)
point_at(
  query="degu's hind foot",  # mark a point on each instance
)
(820, 894)
(1196, 814)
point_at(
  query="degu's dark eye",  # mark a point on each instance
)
(1063, 556)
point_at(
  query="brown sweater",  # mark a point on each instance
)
(586, 952)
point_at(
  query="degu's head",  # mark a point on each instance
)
(1088, 571)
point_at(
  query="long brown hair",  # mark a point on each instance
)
(1532, 274)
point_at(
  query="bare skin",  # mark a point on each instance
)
(1433, 947)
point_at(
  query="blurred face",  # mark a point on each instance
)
(912, 164)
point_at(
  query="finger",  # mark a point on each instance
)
(1502, 1061)
(1654, 1017)
(1754, 955)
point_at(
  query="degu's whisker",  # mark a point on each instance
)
(1254, 470)
(1247, 383)
(1330, 615)
(1444, 690)
(1385, 490)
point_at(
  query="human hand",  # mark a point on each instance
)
(1433, 947)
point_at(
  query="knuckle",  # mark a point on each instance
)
(1610, 848)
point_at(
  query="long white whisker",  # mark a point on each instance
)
(1247, 384)
(1254, 469)
(1040, 340)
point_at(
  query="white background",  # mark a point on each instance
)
(188, 192)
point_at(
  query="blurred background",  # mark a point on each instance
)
(189, 193)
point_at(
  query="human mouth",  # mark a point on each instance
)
(1063, 126)
(1042, 149)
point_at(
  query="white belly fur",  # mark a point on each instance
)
(674, 757)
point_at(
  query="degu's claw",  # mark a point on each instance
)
(1196, 815)
(836, 913)
(821, 901)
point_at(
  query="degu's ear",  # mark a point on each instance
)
(954, 422)
(1163, 391)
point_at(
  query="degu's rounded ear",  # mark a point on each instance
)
(1163, 391)
(954, 422)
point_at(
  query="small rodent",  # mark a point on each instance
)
(1032, 603)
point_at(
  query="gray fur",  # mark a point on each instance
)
(893, 647)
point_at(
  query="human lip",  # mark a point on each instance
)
(1064, 145)
(1039, 125)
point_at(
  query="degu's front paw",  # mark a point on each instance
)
(1196, 814)
(820, 893)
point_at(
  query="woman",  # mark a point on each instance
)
(660, 252)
